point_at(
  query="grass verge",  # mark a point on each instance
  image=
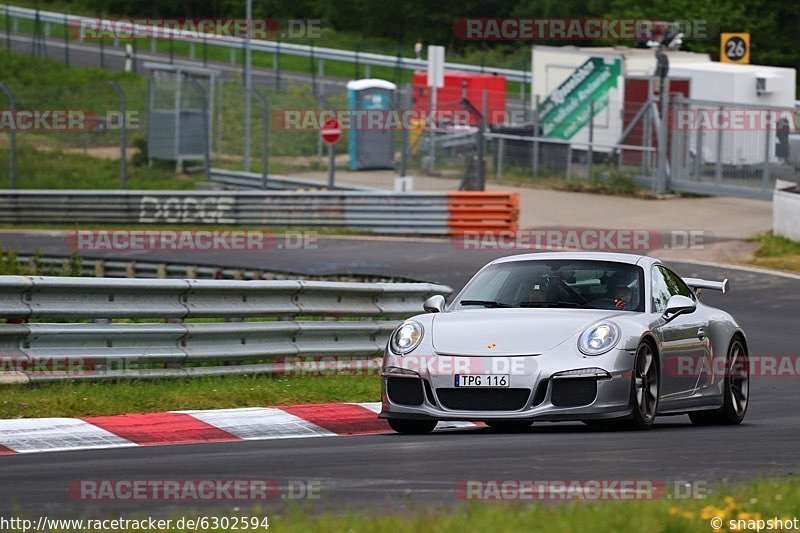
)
(777, 252)
(63, 170)
(760, 500)
(72, 399)
(747, 507)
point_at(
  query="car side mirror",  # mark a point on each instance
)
(434, 304)
(679, 305)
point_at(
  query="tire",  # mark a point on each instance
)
(509, 426)
(736, 390)
(412, 427)
(645, 388)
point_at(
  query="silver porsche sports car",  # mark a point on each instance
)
(612, 340)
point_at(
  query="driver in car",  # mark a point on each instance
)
(617, 297)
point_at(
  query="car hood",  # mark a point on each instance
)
(504, 332)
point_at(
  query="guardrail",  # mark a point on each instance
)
(352, 320)
(446, 213)
(252, 180)
(112, 268)
(319, 53)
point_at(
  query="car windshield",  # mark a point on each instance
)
(556, 284)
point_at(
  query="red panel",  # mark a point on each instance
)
(161, 428)
(635, 97)
(458, 84)
(6, 451)
(340, 418)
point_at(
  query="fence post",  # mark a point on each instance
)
(765, 169)
(698, 154)
(590, 148)
(66, 40)
(123, 141)
(276, 65)
(499, 158)
(206, 133)
(661, 176)
(482, 142)
(313, 71)
(718, 167)
(264, 139)
(358, 50)
(536, 133)
(12, 139)
(8, 29)
(406, 105)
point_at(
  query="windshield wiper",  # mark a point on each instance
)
(551, 304)
(485, 303)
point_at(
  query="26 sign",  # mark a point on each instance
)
(734, 48)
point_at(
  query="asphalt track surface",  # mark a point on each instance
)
(393, 472)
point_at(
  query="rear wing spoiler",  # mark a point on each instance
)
(697, 283)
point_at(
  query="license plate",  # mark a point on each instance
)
(481, 380)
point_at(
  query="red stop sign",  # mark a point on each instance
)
(331, 132)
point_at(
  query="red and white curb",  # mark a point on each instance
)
(30, 435)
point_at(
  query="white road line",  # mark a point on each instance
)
(25, 435)
(260, 423)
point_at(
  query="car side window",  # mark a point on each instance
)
(666, 283)
(676, 284)
(660, 290)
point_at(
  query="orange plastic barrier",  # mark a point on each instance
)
(484, 212)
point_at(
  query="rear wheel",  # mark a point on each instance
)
(736, 390)
(412, 427)
(509, 426)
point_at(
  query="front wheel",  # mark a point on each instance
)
(412, 427)
(736, 390)
(644, 388)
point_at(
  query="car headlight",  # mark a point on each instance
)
(599, 338)
(406, 337)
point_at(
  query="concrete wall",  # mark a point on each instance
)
(786, 213)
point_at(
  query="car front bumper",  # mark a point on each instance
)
(549, 387)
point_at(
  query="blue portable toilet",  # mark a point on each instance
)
(370, 148)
